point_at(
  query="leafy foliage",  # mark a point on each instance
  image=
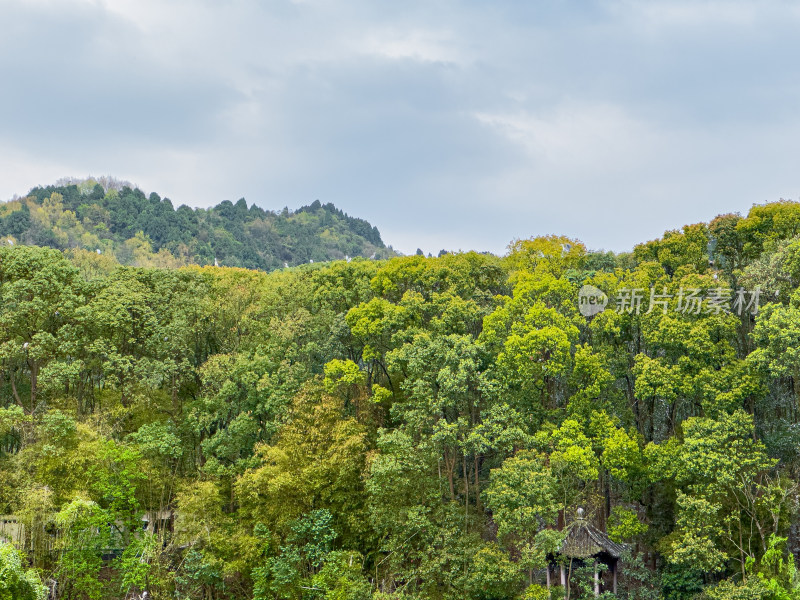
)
(414, 427)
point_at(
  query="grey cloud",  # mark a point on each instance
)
(79, 75)
(467, 122)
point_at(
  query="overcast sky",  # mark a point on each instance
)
(448, 124)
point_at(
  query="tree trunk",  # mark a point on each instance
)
(34, 377)
(14, 390)
(477, 484)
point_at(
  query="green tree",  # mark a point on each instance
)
(730, 500)
(16, 582)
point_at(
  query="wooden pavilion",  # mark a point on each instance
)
(584, 542)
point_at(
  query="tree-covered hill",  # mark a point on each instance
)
(140, 230)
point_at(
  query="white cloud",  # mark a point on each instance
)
(421, 45)
(576, 138)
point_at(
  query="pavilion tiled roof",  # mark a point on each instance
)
(585, 540)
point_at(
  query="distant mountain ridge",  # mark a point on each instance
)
(112, 217)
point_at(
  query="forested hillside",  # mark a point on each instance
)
(138, 230)
(413, 428)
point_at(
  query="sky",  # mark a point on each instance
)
(457, 125)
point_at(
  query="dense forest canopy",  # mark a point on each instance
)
(411, 428)
(119, 220)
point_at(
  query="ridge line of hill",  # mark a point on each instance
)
(111, 217)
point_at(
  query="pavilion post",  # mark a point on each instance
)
(614, 573)
(596, 581)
